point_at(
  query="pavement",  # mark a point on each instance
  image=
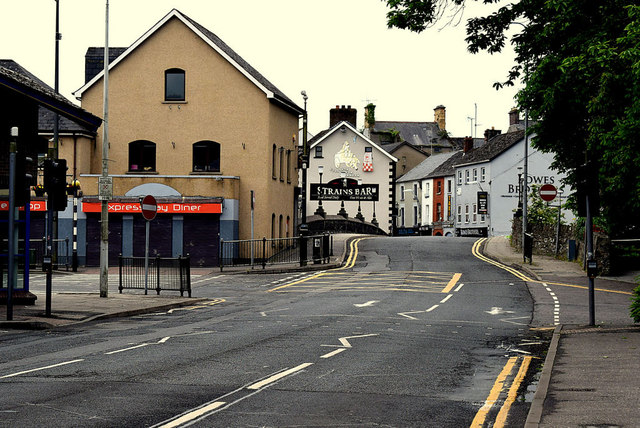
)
(589, 377)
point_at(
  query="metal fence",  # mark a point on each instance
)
(263, 252)
(37, 250)
(173, 274)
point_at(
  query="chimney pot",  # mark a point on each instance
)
(468, 144)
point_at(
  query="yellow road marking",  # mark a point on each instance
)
(475, 251)
(452, 282)
(478, 421)
(501, 419)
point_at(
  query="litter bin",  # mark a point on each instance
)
(317, 250)
(528, 247)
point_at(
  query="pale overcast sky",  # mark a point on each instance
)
(339, 51)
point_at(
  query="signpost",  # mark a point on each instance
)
(149, 210)
(548, 192)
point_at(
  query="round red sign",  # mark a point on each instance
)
(548, 192)
(149, 207)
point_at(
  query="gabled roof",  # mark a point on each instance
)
(14, 77)
(426, 167)
(65, 126)
(270, 90)
(323, 135)
(492, 148)
(447, 167)
(415, 133)
(393, 147)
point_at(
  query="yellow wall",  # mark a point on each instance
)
(221, 105)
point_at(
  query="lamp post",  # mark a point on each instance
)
(320, 211)
(359, 216)
(305, 160)
(343, 212)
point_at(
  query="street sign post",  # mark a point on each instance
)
(149, 209)
(548, 192)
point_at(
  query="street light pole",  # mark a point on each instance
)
(104, 214)
(305, 161)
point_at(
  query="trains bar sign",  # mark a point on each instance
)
(343, 189)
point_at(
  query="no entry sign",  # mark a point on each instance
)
(149, 207)
(548, 192)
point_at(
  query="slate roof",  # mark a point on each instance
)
(17, 78)
(421, 134)
(94, 60)
(45, 124)
(492, 148)
(426, 167)
(447, 167)
(215, 42)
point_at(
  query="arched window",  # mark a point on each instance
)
(142, 156)
(273, 162)
(206, 156)
(174, 85)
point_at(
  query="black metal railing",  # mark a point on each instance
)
(263, 252)
(62, 252)
(173, 274)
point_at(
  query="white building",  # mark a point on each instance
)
(488, 183)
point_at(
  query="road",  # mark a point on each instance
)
(410, 332)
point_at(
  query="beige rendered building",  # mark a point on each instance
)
(191, 123)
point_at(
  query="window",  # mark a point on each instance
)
(273, 226)
(142, 156)
(206, 156)
(427, 214)
(402, 217)
(415, 190)
(281, 150)
(273, 162)
(439, 212)
(439, 186)
(475, 213)
(426, 190)
(415, 215)
(466, 213)
(288, 168)
(402, 192)
(475, 174)
(448, 186)
(466, 176)
(174, 85)
(459, 213)
(318, 151)
(483, 174)
(368, 149)
(459, 178)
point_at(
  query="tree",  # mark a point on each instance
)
(579, 61)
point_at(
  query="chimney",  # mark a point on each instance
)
(490, 133)
(439, 117)
(94, 61)
(514, 117)
(468, 144)
(338, 114)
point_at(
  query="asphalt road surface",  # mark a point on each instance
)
(410, 332)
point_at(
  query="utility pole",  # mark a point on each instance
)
(104, 216)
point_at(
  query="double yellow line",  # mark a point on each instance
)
(498, 388)
(351, 261)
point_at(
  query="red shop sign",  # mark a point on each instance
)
(163, 208)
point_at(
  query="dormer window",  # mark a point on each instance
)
(174, 85)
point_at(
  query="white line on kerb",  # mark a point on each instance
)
(431, 308)
(446, 298)
(41, 368)
(278, 376)
(459, 287)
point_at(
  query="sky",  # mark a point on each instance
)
(339, 51)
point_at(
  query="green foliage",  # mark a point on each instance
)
(634, 309)
(370, 113)
(539, 211)
(579, 61)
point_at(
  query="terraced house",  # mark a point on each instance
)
(195, 125)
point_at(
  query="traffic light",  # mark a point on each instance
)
(55, 183)
(23, 179)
